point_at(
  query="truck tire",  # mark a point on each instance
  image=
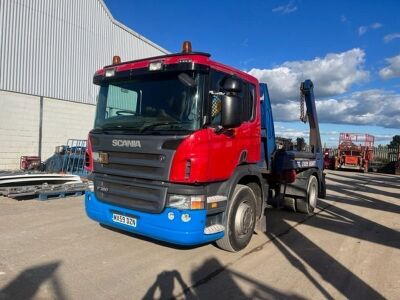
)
(322, 190)
(240, 220)
(308, 204)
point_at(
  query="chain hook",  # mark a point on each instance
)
(303, 115)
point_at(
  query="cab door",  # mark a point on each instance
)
(229, 148)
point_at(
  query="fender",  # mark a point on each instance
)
(299, 186)
(227, 188)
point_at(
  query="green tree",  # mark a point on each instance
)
(395, 142)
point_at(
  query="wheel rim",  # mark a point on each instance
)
(312, 198)
(243, 219)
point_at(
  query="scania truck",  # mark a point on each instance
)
(183, 151)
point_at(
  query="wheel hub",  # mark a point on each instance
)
(312, 196)
(243, 219)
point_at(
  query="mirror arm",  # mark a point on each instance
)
(219, 129)
(227, 131)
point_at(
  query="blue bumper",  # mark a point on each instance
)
(158, 226)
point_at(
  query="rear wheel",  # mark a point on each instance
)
(308, 204)
(240, 220)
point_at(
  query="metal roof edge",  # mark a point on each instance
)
(126, 28)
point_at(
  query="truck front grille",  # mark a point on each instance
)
(138, 196)
(138, 165)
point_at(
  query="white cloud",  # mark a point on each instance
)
(343, 19)
(382, 137)
(376, 25)
(292, 131)
(362, 30)
(289, 111)
(390, 37)
(332, 75)
(369, 107)
(333, 132)
(285, 9)
(393, 69)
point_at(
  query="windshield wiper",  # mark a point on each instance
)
(154, 125)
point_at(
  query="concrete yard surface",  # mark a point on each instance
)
(350, 249)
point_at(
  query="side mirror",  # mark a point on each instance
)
(232, 85)
(231, 111)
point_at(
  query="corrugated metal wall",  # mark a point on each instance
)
(52, 48)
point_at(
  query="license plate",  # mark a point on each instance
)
(124, 220)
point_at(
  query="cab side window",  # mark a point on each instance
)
(249, 102)
(216, 83)
(247, 95)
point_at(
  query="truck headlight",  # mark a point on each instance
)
(186, 201)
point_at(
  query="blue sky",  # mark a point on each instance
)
(350, 49)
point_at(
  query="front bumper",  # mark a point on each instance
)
(158, 226)
(351, 167)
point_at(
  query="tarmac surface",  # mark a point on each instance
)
(350, 249)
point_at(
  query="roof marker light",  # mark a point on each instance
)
(110, 72)
(116, 60)
(155, 65)
(187, 47)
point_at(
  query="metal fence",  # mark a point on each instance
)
(74, 157)
(68, 158)
(386, 154)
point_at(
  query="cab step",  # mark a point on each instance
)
(214, 229)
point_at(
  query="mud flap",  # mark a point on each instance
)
(261, 225)
(290, 203)
(322, 187)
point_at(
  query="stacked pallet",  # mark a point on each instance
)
(19, 184)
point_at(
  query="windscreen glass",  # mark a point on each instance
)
(152, 103)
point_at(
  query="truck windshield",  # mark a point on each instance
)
(151, 103)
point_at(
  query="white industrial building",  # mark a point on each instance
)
(49, 51)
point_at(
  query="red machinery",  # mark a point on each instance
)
(29, 162)
(355, 151)
(329, 158)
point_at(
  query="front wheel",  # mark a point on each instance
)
(308, 204)
(240, 220)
